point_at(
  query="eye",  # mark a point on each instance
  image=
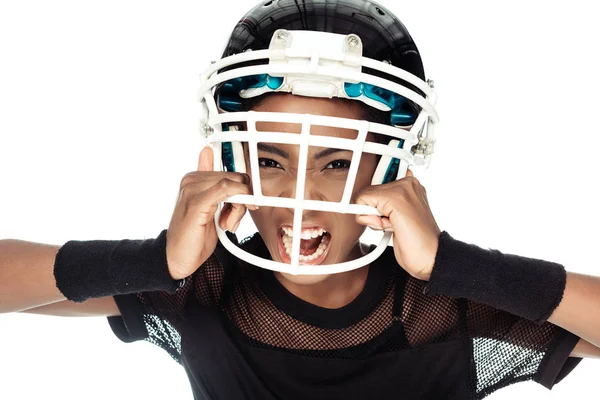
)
(268, 163)
(338, 164)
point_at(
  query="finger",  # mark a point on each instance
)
(409, 173)
(206, 159)
(206, 202)
(376, 197)
(224, 189)
(387, 225)
(209, 178)
(231, 215)
(372, 221)
(224, 214)
(235, 216)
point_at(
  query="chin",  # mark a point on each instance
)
(304, 279)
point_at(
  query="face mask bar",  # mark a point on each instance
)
(299, 204)
(317, 54)
(320, 67)
(357, 146)
(209, 81)
(428, 117)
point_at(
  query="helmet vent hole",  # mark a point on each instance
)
(268, 3)
(380, 11)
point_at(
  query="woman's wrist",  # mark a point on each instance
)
(527, 287)
(100, 268)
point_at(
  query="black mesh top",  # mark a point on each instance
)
(240, 334)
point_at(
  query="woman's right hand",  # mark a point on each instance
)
(192, 236)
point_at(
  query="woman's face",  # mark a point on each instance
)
(326, 174)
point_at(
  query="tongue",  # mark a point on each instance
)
(309, 246)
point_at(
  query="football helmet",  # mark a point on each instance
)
(350, 49)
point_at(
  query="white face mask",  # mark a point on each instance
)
(315, 64)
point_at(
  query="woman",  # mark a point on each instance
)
(415, 327)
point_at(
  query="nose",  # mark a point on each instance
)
(312, 189)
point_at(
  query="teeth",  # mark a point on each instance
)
(313, 256)
(287, 243)
(305, 233)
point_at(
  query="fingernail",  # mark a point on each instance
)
(376, 228)
(236, 226)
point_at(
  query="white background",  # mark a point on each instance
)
(98, 124)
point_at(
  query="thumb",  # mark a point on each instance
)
(409, 172)
(205, 160)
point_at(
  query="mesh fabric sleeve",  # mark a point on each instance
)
(503, 348)
(158, 317)
(507, 349)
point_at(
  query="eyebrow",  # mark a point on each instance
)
(327, 152)
(272, 149)
(281, 153)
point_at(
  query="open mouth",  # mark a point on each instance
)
(314, 245)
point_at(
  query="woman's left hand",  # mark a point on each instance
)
(405, 209)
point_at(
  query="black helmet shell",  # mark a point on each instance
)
(384, 37)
